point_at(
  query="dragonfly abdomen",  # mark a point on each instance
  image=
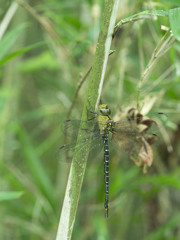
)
(106, 174)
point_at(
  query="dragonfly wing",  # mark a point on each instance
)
(65, 152)
(71, 127)
(96, 146)
(128, 131)
(125, 134)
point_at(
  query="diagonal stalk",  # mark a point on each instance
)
(78, 166)
(162, 47)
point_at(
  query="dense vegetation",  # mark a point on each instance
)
(46, 51)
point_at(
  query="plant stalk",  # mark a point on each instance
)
(96, 79)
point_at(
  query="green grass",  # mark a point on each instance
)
(43, 58)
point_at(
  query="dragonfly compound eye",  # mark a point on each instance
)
(105, 111)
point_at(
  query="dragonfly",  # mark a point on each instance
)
(130, 134)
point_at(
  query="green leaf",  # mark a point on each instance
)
(5, 196)
(21, 51)
(44, 60)
(35, 165)
(174, 19)
(159, 13)
(8, 40)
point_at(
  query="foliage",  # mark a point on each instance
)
(43, 61)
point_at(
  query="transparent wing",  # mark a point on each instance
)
(126, 132)
(125, 135)
(71, 128)
(131, 133)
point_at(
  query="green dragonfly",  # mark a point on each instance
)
(130, 133)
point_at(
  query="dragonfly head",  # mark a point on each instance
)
(104, 110)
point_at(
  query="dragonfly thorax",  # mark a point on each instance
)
(104, 119)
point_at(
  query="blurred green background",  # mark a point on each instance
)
(46, 47)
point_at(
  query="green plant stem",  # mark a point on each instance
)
(163, 46)
(78, 166)
(7, 18)
(79, 87)
(139, 16)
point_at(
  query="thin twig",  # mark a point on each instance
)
(77, 91)
(45, 22)
(79, 87)
(7, 18)
(163, 46)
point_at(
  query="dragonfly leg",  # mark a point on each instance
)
(89, 119)
(87, 130)
(90, 111)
